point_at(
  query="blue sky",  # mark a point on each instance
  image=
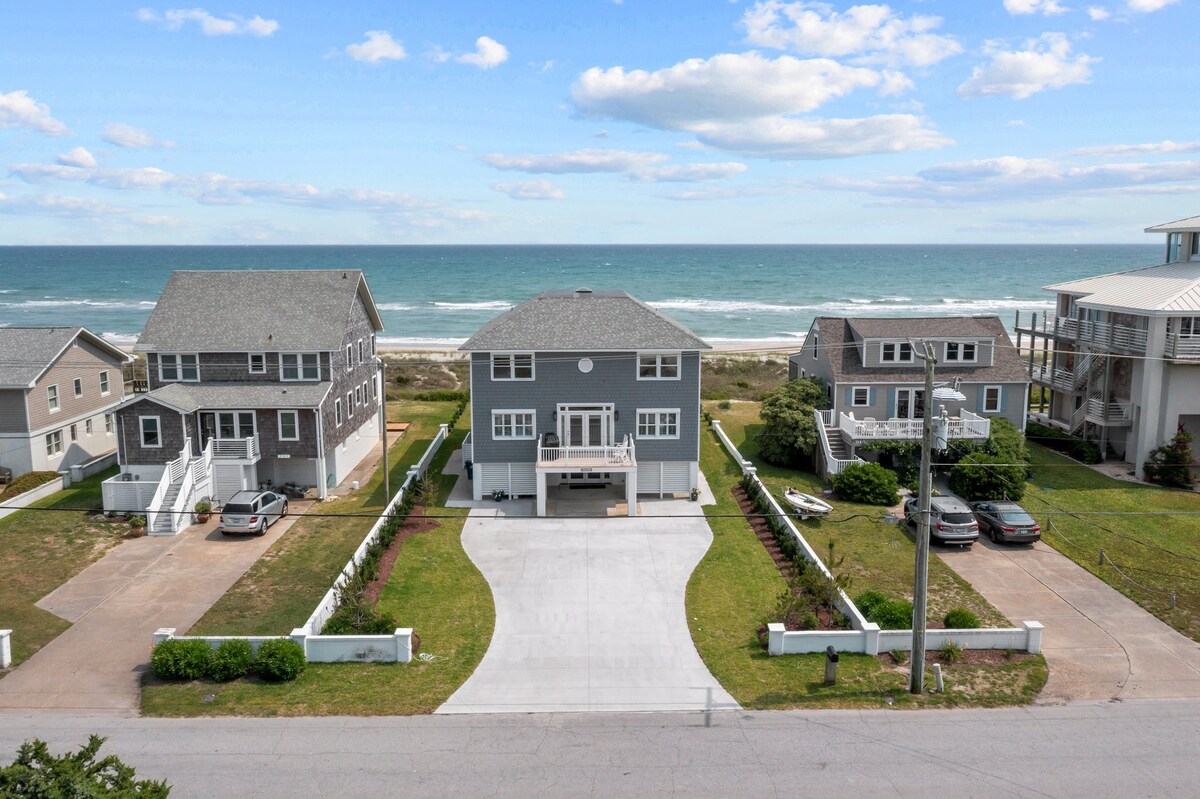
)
(595, 121)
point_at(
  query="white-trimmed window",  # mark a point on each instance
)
(860, 396)
(299, 366)
(992, 398)
(895, 352)
(87, 427)
(289, 425)
(960, 352)
(337, 411)
(816, 344)
(1189, 326)
(349, 404)
(658, 423)
(658, 367)
(361, 351)
(179, 368)
(358, 395)
(374, 389)
(54, 444)
(373, 350)
(52, 398)
(74, 432)
(367, 397)
(151, 434)
(512, 366)
(104, 389)
(256, 363)
(508, 425)
(78, 386)
(108, 424)
(349, 357)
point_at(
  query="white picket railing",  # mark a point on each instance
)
(240, 448)
(571, 457)
(969, 425)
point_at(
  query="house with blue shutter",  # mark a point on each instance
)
(580, 389)
(875, 383)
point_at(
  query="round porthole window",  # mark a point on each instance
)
(585, 365)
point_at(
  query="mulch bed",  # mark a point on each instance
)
(415, 522)
(759, 525)
(970, 657)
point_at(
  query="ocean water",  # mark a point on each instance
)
(442, 294)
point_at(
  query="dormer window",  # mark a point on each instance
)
(257, 363)
(895, 352)
(960, 352)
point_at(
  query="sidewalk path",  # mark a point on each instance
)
(1099, 644)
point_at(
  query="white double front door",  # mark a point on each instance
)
(585, 425)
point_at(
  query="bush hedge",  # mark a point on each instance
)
(231, 660)
(26, 482)
(889, 614)
(868, 483)
(279, 660)
(983, 476)
(961, 619)
(174, 659)
(1055, 439)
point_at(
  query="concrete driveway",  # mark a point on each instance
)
(1099, 644)
(117, 603)
(589, 614)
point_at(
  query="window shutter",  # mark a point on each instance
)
(850, 396)
(1003, 399)
(891, 403)
(980, 398)
(871, 395)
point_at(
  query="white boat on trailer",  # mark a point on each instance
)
(805, 505)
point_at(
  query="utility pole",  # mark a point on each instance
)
(387, 485)
(921, 570)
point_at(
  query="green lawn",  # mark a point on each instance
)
(736, 584)
(1153, 554)
(42, 549)
(279, 592)
(433, 587)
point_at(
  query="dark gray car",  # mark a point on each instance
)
(1006, 521)
(950, 521)
(252, 512)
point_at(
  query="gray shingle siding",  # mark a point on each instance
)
(268, 435)
(357, 327)
(613, 379)
(173, 433)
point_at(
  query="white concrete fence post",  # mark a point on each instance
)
(403, 636)
(1033, 641)
(163, 634)
(775, 632)
(871, 638)
(5, 648)
(300, 636)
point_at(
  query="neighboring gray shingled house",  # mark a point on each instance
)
(58, 387)
(876, 386)
(260, 375)
(584, 387)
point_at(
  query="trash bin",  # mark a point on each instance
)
(831, 661)
(470, 470)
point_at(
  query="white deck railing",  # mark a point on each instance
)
(1116, 411)
(239, 448)
(468, 448)
(1061, 379)
(833, 465)
(586, 457)
(1182, 347)
(965, 425)
(1102, 334)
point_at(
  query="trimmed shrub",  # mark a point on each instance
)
(441, 395)
(983, 476)
(961, 619)
(279, 660)
(174, 659)
(26, 482)
(868, 483)
(230, 660)
(352, 619)
(895, 614)
(867, 601)
(1055, 439)
(789, 431)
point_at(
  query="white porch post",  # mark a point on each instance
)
(541, 493)
(631, 491)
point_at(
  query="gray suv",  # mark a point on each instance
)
(252, 512)
(950, 521)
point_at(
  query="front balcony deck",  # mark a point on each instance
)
(1102, 336)
(1057, 379)
(619, 457)
(856, 431)
(246, 449)
(1182, 347)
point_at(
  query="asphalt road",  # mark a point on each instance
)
(1120, 749)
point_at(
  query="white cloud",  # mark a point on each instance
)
(531, 190)
(690, 173)
(76, 156)
(57, 205)
(1098, 14)
(873, 33)
(1148, 6)
(128, 136)
(587, 160)
(727, 87)
(1047, 8)
(19, 110)
(1123, 149)
(379, 46)
(1046, 63)
(174, 19)
(804, 139)
(488, 53)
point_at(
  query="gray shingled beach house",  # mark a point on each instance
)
(253, 376)
(584, 388)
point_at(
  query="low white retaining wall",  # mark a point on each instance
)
(394, 648)
(14, 504)
(328, 604)
(81, 471)
(866, 637)
(872, 641)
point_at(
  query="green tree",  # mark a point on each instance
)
(37, 773)
(1170, 464)
(984, 476)
(789, 432)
